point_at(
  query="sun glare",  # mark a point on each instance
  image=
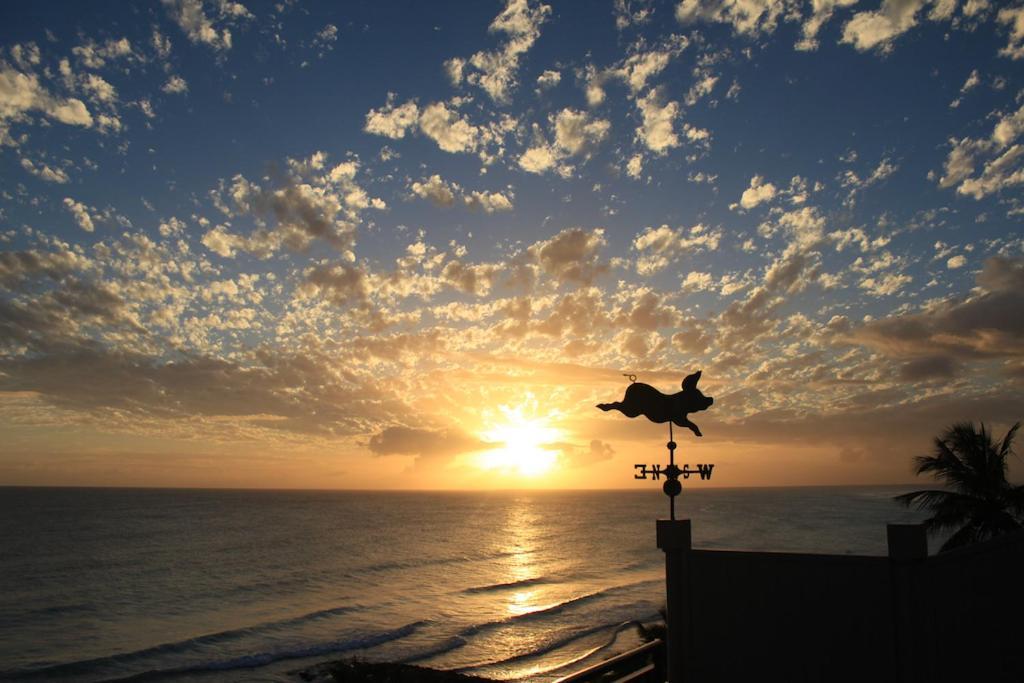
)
(527, 445)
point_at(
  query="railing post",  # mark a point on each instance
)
(674, 539)
(908, 548)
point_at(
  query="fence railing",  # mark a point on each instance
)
(641, 664)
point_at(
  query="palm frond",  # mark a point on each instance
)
(978, 502)
(1006, 447)
(964, 536)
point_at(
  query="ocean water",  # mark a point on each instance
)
(202, 585)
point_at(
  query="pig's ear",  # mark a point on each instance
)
(691, 381)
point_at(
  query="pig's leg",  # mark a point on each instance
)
(689, 425)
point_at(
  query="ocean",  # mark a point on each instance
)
(204, 585)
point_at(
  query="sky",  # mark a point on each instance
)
(412, 244)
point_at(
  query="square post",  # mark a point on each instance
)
(908, 549)
(674, 539)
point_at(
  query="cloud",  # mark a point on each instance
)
(983, 325)
(81, 213)
(1003, 161)
(970, 84)
(703, 84)
(696, 281)
(805, 226)
(821, 12)
(300, 211)
(475, 279)
(451, 132)
(631, 12)
(191, 17)
(646, 311)
(660, 246)
(747, 17)
(635, 166)
(17, 267)
(495, 72)
(538, 159)
(342, 284)
(575, 131)
(929, 367)
(443, 193)
(692, 338)
(324, 40)
(175, 85)
(886, 284)
(877, 421)
(575, 134)
(45, 171)
(21, 93)
(758, 192)
(656, 131)
(435, 189)
(635, 70)
(548, 79)
(310, 202)
(877, 29)
(100, 90)
(391, 121)
(94, 55)
(489, 202)
(573, 255)
(442, 123)
(1013, 18)
(577, 455)
(272, 392)
(428, 445)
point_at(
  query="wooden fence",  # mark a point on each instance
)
(908, 617)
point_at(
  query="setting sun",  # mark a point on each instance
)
(526, 445)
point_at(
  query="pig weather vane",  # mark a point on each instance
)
(643, 399)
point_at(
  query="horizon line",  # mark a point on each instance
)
(429, 490)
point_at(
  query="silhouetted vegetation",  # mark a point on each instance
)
(978, 502)
(358, 671)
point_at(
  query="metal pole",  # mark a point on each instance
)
(671, 461)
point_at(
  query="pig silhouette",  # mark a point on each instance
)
(643, 399)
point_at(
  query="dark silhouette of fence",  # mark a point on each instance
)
(908, 617)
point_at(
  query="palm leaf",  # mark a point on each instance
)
(1006, 448)
(977, 502)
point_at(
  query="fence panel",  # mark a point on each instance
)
(793, 617)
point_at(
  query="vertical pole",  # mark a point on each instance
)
(908, 548)
(671, 461)
(674, 539)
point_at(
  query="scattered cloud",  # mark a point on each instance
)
(45, 171)
(212, 30)
(496, 72)
(81, 213)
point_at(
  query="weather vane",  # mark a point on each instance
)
(643, 399)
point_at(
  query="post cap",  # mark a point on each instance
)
(907, 541)
(674, 534)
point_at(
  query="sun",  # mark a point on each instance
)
(527, 444)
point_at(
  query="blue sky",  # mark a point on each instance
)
(316, 244)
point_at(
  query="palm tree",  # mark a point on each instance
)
(978, 501)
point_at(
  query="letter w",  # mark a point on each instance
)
(705, 470)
